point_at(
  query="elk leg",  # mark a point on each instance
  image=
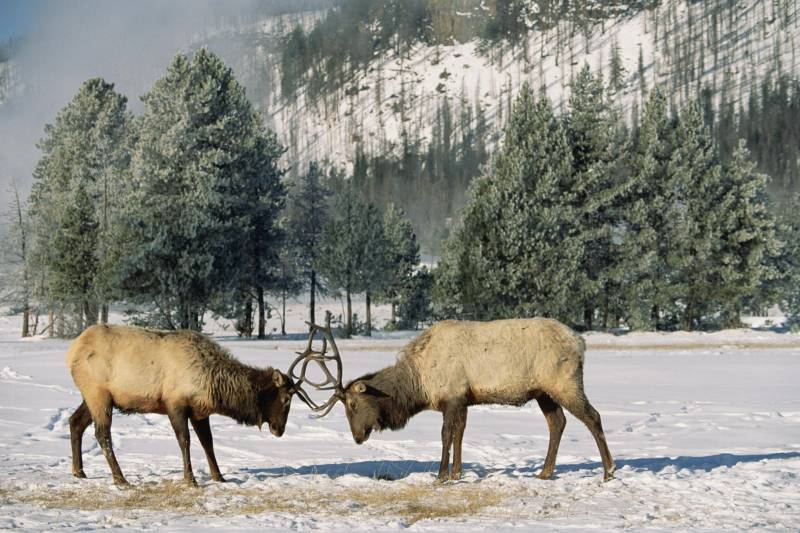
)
(587, 414)
(78, 423)
(202, 429)
(460, 425)
(101, 415)
(180, 423)
(555, 423)
(448, 429)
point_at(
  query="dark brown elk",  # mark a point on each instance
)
(457, 364)
(182, 374)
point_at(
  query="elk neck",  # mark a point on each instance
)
(405, 396)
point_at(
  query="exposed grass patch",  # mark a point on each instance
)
(409, 502)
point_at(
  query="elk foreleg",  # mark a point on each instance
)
(454, 418)
(460, 422)
(179, 419)
(202, 429)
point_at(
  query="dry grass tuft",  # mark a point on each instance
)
(409, 502)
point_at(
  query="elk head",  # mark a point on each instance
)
(274, 401)
(362, 404)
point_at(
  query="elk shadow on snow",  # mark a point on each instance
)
(399, 469)
(655, 465)
(387, 470)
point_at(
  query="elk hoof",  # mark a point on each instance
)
(191, 481)
(121, 482)
(608, 476)
(455, 476)
(79, 474)
(218, 478)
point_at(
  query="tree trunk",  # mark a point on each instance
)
(349, 328)
(247, 325)
(104, 314)
(588, 315)
(369, 317)
(394, 310)
(51, 319)
(26, 312)
(262, 321)
(283, 313)
(654, 317)
(313, 295)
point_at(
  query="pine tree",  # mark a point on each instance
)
(517, 251)
(306, 217)
(73, 273)
(356, 250)
(87, 146)
(748, 258)
(263, 195)
(403, 255)
(643, 246)
(693, 229)
(191, 165)
(594, 137)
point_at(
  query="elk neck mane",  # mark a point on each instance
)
(233, 387)
(402, 384)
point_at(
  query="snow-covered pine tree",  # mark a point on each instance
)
(191, 168)
(74, 269)
(518, 249)
(356, 251)
(749, 247)
(376, 258)
(596, 141)
(340, 254)
(305, 219)
(642, 233)
(403, 255)
(693, 228)
(88, 145)
(263, 198)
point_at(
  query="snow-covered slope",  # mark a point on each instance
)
(684, 47)
(705, 430)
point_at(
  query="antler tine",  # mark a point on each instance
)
(330, 382)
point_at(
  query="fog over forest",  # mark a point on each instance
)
(127, 43)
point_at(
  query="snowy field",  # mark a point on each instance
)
(704, 428)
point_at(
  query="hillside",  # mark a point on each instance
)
(683, 48)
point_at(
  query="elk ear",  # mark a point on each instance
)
(360, 387)
(277, 378)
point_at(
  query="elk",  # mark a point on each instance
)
(456, 364)
(182, 374)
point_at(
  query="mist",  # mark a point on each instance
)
(127, 43)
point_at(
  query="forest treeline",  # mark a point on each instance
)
(186, 210)
(183, 211)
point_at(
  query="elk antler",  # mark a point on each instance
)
(305, 357)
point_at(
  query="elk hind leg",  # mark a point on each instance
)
(556, 421)
(100, 406)
(78, 423)
(580, 407)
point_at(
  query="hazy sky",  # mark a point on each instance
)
(66, 42)
(16, 17)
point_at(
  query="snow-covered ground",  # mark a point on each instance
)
(705, 430)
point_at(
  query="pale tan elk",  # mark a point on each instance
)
(457, 364)
(182, 374)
